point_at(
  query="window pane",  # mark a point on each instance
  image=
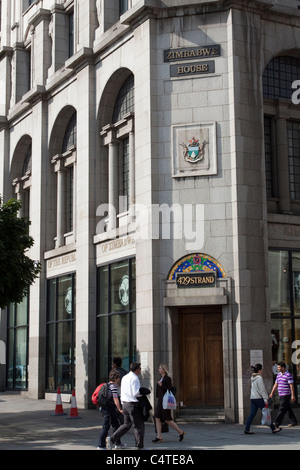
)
(293, 132)
(52, 300)
(133, 337)
(61, 334)
(10, 360)
(64, 298)
(22, 312)
(21, 358)
(103, 336)
(126, 172)
(296, 356)
(64, 356)
(119, 287)
(282, 341)
(121, 339)
(51, 357)
(279, 283)
(268, 156)
(103, 289)
(11, 315)
(133, 285)
(279, 76)
(70, 137)
(125, 100)
(296, 281)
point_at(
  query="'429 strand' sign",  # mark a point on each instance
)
(196, 279)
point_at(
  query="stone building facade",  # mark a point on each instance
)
(155, 147)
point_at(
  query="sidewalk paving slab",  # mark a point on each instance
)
(28, 424)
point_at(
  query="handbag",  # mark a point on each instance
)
(169, 402)
(266, 419)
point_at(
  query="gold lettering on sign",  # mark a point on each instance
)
(196, 279)
(192, 53)
(118, 243)
(186, 69)
(62, 260)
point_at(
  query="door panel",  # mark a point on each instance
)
(201, 357)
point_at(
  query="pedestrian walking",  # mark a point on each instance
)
(258, 398)
(117, 365)
(285, 385)
(111, 411)
(130, 390)
(161, 415)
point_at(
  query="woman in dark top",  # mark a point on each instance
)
(161, 415)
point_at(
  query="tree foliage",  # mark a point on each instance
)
(17, 271)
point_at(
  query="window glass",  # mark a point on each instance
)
(125, 100)
(279, 75)
(61, 333)
(70, 136)
(123, 6)
(17, 357)
(293, 132)
(268, 156)
(103, 286)
(116, 329)
(119, 286)
(103, 338)
(65, 298)
(279, 283)
(296, 281)
(284, 275)
(121, 340)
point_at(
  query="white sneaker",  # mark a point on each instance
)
(120, 446)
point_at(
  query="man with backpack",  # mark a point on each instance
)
(130, 390)
(111, 409)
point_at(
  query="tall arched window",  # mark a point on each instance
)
(21, 174)
(282, 135)
(65, 168)
(118, 137)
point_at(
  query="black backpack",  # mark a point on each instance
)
(103, 396)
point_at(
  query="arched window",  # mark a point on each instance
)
(125, 100)
(278, 76)
(65, 168)
(282, 135)
(70, 136)
(118, 137)
(21, 174)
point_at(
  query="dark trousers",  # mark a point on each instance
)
(285, 407)
(256, 404)
(110, 418)
(132, 416)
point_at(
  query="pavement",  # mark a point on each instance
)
(28, 424)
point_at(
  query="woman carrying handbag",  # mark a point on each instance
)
(258, 397)
(162, 415)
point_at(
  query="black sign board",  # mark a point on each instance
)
(191, 69)
(196, 279)
(192, 53)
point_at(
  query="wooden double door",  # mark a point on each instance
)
(201, 354)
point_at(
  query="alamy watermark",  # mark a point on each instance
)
(296, 94)
(157, 221)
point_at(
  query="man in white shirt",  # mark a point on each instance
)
(130, 390)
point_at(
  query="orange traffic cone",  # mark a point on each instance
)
(58, 408)
(73, 410)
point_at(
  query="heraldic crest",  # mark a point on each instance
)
(194, 151)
